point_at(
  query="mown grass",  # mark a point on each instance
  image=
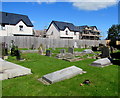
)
(104, 81)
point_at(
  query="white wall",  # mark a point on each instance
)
(10, 30)
(55, 31)
(58, 34)
(70, 34)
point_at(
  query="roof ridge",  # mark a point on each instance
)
(13, 13)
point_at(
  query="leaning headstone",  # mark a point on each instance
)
(60, 75)
(40, 51)
(70, 50)
(62, 51)
(101, 62)
(48, 53)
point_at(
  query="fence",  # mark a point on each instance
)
(27, 42)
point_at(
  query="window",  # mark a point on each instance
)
(21, 28)
(3, 27)
(52, 33)
(74, 33)
(66, 32)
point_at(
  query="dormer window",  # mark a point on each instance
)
(2, 26)
(21, 28)
(66, 32)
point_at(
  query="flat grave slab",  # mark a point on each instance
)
(73, 59)
(29, 51)
(60, 75)
(87, 51)
(11, 70)
(101, 62)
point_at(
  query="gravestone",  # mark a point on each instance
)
(47, 46)
(62, 51)
(95, 48)
(87, 51)
(63, 74)
(70, 50)
(29, 51)
(105, 52)
(48, 53)
(32, 47)
(68, 56)
(101, 62)
(17, 52)
(10, 70)
(41, 49)
(0, 50)
(65, 56)
(75, 45)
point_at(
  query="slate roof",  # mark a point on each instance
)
(13, 19)
(63, 25)
(92, 27)
(72, 27)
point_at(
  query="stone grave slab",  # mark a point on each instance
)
(62, 51)
(62, 74)
(10, 70)
(73, 59)
(29, 51)
(101, 62)
(87, 51)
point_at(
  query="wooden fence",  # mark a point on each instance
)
(27, 42)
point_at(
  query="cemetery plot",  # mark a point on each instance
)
(11, 70)
(73, 60)
(101, 62)
(63, 74)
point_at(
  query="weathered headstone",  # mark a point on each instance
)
(101, 62)
(105, 52)
(48, 52)
(75, 45)
(70, 50)
(63, 74)
(95, 48)
(62, 51)
(40, 51)
(0, 50)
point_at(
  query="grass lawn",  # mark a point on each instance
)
(104, 81)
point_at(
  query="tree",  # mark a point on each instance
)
(114, 32)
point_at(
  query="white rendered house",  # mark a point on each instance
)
(64, 30)
(15, 25)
